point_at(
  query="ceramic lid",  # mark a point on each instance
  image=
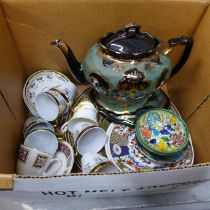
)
(161, 132)
(129, 43)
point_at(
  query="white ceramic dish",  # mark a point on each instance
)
(39, 82)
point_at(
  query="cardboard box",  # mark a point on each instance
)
(26, 29)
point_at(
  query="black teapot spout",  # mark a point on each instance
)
(75, 67)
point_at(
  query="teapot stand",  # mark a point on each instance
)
(127, 115)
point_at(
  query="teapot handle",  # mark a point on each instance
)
(188, 42)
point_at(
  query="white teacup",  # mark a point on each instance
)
(91, 139)
(33, 162)
(56, 101)
(86, 110)
(50, 105)
(88, 137)
(67, 90)
(36, 123)
(76, 125)
(94, 162)
(42, 140)
(30, 121)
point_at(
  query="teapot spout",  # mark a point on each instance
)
(75, 67)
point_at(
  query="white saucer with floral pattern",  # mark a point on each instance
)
(65, 154)
(126, 154)
(37, 83)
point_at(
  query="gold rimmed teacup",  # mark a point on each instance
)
(36, 123)
(87, 135)
(94, 162)
(50, 105)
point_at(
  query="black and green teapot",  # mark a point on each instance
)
(126, 70)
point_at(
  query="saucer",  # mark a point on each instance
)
(127, 114)
(39, 82)
(186, 156)
(127, 155)
(124, 152)
(65, 154)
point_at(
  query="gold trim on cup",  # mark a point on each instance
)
(38, 129)
(82, 100)
(35, 121)
(69, 102)
(40, 123)
(60, 105)
(82, 132)
(100, 165)
(82, 104)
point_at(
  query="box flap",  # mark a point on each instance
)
(11, 132)
(11, 72)
(199, 127)
(192, 85)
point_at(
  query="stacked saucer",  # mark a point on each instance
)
(38, 83)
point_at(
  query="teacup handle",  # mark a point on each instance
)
(64, 127)
(51, 164)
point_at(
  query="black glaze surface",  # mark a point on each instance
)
(129, 43)
(188, 43)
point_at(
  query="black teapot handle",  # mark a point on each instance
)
(188, 42)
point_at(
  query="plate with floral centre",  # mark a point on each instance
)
(124, 152)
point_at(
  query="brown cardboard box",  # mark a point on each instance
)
(26, 29)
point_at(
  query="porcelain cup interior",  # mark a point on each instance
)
(33, 162)
(91, 139)
(42, 140)
(50, 105)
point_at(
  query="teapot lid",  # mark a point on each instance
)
(129, 43)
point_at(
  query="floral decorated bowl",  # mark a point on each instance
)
(161, 132)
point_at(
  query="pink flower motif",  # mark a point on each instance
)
(177, 139)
